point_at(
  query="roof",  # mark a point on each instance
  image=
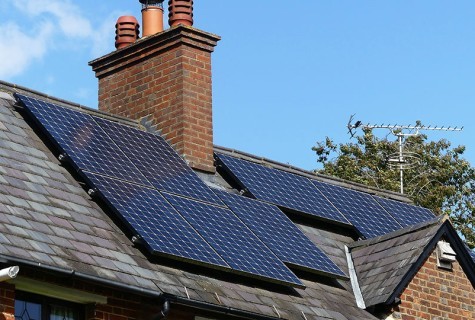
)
(384, 265)
(49, 220)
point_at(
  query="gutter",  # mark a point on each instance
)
(167, 298)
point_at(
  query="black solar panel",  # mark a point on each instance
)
(404, 213)
(83, 140)
(281, 188)
(151, 217)
(238, 246)
(158, 161)
(369, 218)
(280, 234)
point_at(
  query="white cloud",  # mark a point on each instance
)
(68, 16)
(18, 49)
(44, 23)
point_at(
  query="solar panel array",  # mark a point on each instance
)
(281, 188)
(83, 140)
(238, 246)
(154, 220)
(159, 162)
(405, 213)
(371, 217)
(130, 168)
(159, 198)
(361, 209)
(280, 234)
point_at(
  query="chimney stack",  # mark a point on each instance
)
(165, 76)
(152, 17)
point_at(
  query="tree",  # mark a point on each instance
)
(439, 179)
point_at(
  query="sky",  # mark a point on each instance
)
(286, 74)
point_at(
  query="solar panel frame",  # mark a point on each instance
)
(234, 241)
(77, 135)
(281, 188)
(406, 214)
(280, 234)
(361, 209)
(147, 214)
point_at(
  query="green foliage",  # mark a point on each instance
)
(439, 179)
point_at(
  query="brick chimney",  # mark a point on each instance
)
(165, 76)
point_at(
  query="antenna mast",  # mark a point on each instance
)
(402, 160)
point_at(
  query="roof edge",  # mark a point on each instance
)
(463, 257)
(388, 236)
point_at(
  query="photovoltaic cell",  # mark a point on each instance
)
(82, 140)
(158, 161)
(281, 188)
(234, 242)
(404, 213)
(280, 234)
(369, 218)
(149, 215)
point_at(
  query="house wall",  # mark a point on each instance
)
(436, 293)
(7, 301)
(120, 305)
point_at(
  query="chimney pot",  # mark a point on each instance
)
(152, 16)
(126, 30)
(180, 12)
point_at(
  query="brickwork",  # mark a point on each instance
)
(166, 76)
(436, 293)
(120, 305)
(7, 301)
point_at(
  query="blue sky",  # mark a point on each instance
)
(286, 73)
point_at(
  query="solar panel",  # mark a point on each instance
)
(78, 135)
(281, 188)
(150, 216)
(158, 161)
(280, 234)
(238, 246)
(360, 209)
(404, 213)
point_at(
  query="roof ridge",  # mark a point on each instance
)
(394, 234)
(14, 88)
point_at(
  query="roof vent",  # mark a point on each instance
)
(445, 255)
(126, 30)
(180, 12)
(152, 16)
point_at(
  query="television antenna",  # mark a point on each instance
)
(402, 159)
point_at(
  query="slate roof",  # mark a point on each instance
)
(385, 264)
(47, 220)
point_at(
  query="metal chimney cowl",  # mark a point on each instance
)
(152, 17)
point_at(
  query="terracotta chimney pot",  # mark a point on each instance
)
(180, 12)
(127, 31)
